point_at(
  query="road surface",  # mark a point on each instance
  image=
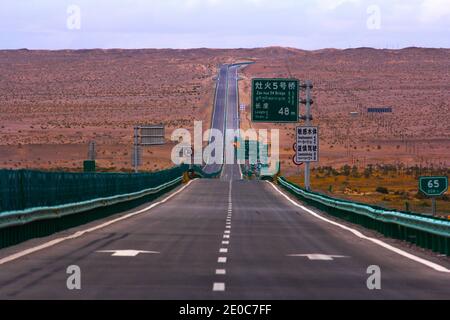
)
(219, 113)
(219, 239)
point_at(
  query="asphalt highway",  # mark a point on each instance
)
(225, 238)
(219, 113)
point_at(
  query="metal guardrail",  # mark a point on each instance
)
(23, 189)
(428, 232)
(21, 217)
(21, 224)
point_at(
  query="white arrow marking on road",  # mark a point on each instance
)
(316, 256)
(125, 253)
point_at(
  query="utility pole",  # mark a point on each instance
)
(136, 150)
(91, 151)
(309, 87)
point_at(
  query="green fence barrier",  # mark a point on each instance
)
(18, 226)
(22, 189)
(424, 231)
(36, 204)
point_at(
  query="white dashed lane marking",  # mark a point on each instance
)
(222, 260)
(219, 286)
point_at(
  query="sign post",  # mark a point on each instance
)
(136, 150)
(89, 164)
(308, 123)
(277, 100)
(433, 187)
(307, 138)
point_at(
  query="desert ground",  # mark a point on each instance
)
(54, 102)
(414, 82)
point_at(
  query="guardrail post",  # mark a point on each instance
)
(433, 243)
(447, 245)
(442, 248)
(420, 239)
(21, 194)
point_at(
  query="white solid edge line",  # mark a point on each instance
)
(78, 234)
(403, 253)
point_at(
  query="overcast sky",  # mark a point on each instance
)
(305, 24)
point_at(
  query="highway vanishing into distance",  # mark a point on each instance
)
(224, 238)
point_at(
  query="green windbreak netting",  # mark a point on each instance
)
(22, 189)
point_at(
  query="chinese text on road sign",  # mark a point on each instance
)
(307, 144)
(275, 100)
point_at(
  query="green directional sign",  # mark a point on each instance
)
(275, 100)
(433, 186)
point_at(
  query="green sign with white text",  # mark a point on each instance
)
(433, 186)
(275, 100)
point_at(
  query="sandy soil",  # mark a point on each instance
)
(54, 102)
(414, 82)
